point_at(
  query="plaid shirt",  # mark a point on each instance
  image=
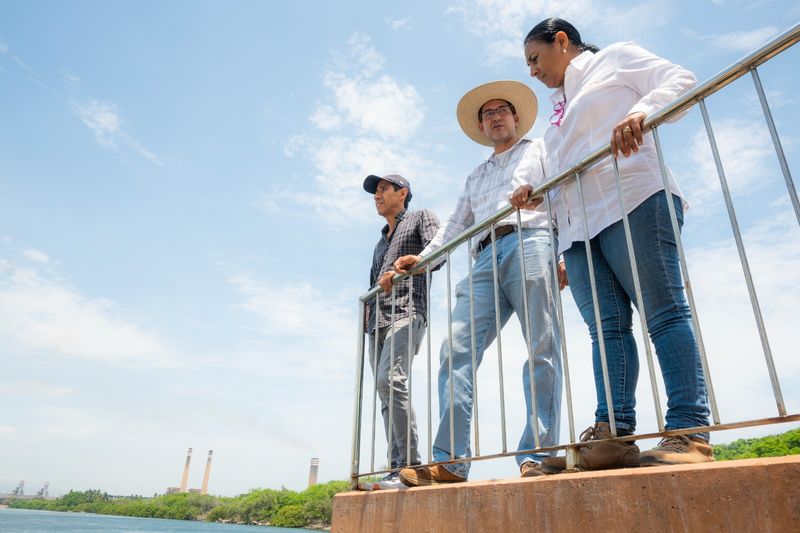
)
(413, 232)
(488, 189)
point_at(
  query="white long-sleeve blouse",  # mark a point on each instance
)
(601, 89)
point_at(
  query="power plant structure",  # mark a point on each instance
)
(312, 472)
(19, 493)
(185, 478)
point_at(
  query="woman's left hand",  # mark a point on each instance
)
(627, 135)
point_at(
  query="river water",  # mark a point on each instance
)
(25, 521)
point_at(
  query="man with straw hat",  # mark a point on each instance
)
(497, 114)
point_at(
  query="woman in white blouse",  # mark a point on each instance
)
(597, 93)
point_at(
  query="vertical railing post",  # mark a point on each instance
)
(450, 359)
(762, 332)
(676, 231)
(375, 360)
(409, 362)
(776, 141)
(559, 316)
(637, 289)
(390, 407)
(597, 316)
(498, 327)
(428, 339)
(359, 387)
(477, 431)
(534, 414)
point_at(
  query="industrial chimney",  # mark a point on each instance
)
(312, 472)
(185, 478)
(204, 490)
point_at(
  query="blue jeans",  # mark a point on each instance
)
(544, 339)
(669, 319)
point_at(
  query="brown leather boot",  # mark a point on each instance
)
(678, 450)
(428, 475)
(597, 456)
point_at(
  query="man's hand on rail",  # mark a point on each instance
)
(386, 280)
(519, 198)
(627, 135)
(562, 276)
(405, 263)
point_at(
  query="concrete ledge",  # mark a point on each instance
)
(758, 495)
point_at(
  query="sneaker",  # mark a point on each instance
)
(598, 456)
(531, 469)
(678, 450)
(429, 475)
(389, 481)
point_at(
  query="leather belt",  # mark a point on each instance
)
(499, 232)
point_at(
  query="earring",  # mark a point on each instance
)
(564, 50)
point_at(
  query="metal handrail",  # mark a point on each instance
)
(679, 106)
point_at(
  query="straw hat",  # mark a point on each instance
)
(518, 94)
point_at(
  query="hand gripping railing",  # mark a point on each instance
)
(697, 96)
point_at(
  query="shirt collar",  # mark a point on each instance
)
(495, 156)
(397, 219)
(578, 63)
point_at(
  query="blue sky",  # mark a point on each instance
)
(183, 234)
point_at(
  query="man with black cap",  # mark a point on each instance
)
(406, 232)
(498, 114)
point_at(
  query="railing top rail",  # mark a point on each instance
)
(726, 76)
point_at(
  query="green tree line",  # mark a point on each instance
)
(312, 507)
(772, 446)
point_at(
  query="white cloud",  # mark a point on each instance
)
(362, 100)
(743, 41)
(399, 24)
(36, 255)
(341, 163)
(34, 388)
(297, 322)
(503, 24)
(370, 120)
(326, 118)
(106, 123)
(102, 118)
(40, 315)
(745, 150)
(297, 310)
(7, 430)
(70, 80)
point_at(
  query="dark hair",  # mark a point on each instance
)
(510, 105)
(397, 187)
(546, 31)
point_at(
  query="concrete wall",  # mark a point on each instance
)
(758, 495)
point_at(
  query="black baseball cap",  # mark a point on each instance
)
(371, 183)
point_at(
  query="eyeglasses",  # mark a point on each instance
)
(489, 114)
(558, 112)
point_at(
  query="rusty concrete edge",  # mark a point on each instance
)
(622, 472)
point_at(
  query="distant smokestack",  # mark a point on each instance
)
(185, 479)
(312, 472)
(204, 490)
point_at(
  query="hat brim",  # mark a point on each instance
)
(371, 183)
(514, 92)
